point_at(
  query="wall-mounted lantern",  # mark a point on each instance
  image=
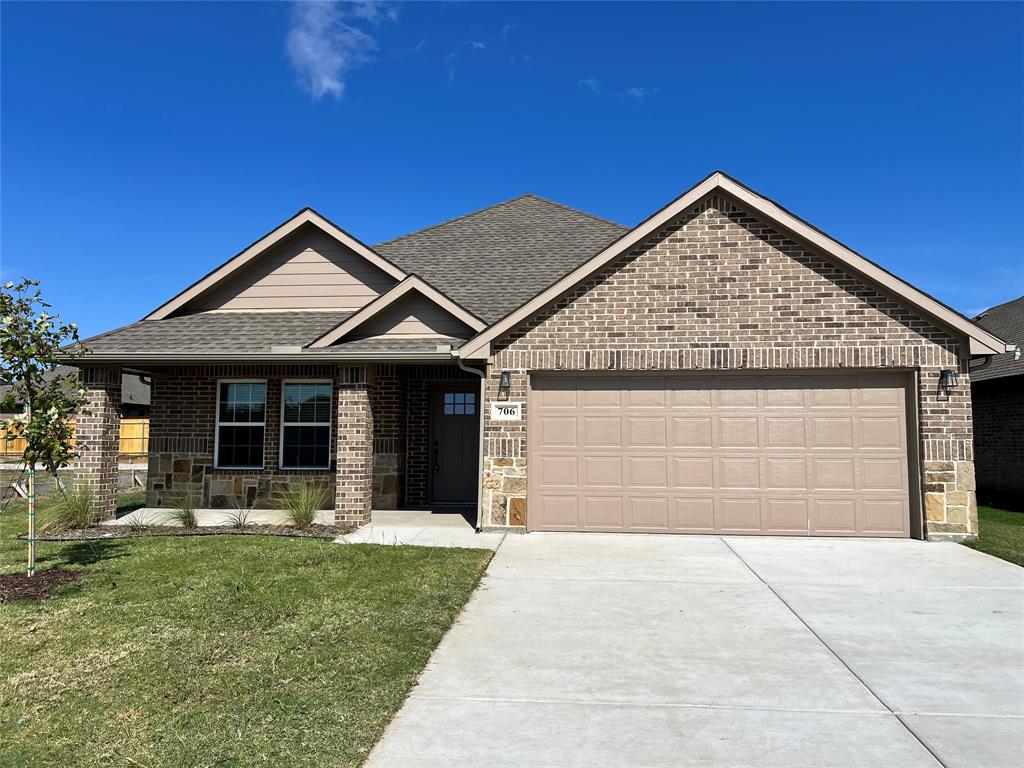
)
(505, 382)
(948, 379)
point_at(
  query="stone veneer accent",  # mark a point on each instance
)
(719, 289)
(97, 438)
(505, 492)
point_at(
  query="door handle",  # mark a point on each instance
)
(437, 465)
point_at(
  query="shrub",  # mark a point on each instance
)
(184, 514)
(240, 518)
(76, 509)
(301, 502)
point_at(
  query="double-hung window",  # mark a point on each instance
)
(306, 425)
(241, 424)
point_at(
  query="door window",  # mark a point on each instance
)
(459, 403)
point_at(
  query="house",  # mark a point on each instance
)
(134, 393)
(997, 398)
(722, 367)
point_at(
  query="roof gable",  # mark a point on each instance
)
(412, 309)
(241, 283)
(981, 342)
(1007, 321)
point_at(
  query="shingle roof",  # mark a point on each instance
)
(496, 259)
(216, 332)
(1007, 322)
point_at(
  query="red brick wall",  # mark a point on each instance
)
(718, 289)
(97, 437)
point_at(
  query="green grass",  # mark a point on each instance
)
(219, 650)
(1002, 534)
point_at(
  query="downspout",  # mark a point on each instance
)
(480, 456)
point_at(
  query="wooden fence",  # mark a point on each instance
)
(134, 440)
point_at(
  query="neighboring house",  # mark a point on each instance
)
(722, 367)
(134, 393)
(997, 395)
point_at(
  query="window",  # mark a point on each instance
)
(306, 425)
(459, 403)
(241, 419)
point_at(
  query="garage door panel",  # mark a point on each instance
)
(834, 516)
(738, 432)
(788, 516)
(694, 515)
(601, 432)
(557, 471)
(881, 432)
(692, 432)
(603, 513)
(794, 454)
(690, 472)
(557, 432)
(647, 513)
(739, 472)
(882, 517)
(831, 432)
(645, 431)
(602, 471)
(647, 472)
(738, 515)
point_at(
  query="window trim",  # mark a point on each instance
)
(329, 424)
(217, 425)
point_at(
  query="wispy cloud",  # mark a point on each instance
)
(477, 45)
(411, 50)
(639, 94)
(450, 61)
(324, 47)
(636, 93)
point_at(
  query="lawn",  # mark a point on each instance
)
(1002, 534)
(219, 650)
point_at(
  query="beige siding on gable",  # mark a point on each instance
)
(309, 270)
(412, 317)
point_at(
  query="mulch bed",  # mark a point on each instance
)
(19, 586)
(314, 531)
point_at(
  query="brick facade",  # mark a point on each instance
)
(718, 289)
(354, 485)
(999, 441)
(98, 438)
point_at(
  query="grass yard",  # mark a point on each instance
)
(218, 650)
(1002, 534)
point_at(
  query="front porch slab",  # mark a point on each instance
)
(422, 528)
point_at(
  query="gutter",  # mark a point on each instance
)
(480, 458)
(265, 357)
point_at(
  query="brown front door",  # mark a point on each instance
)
(455, 436)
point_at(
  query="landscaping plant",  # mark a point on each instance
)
(77, 509)
(184, 514)
(302, 501)
(31, 343)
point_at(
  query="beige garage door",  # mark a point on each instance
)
(815, 454)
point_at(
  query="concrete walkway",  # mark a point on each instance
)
(631, 650)
(422, 529)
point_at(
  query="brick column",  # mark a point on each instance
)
(354, 487)
(97, 438)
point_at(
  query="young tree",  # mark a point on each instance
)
(31, 343)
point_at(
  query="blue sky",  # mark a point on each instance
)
(144, 143)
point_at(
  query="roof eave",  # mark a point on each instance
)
(258, 357)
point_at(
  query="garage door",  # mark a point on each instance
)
(816, 454)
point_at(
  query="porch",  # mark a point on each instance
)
(381, 436)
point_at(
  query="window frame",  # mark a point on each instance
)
(329, 424)
(217, 425)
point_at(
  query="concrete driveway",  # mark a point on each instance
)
(632, 650)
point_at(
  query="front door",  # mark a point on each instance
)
(455, 443)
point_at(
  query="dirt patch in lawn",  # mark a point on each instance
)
(19, 586)
(95, 532)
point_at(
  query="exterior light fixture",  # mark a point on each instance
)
(947, 379)
(506, 380)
